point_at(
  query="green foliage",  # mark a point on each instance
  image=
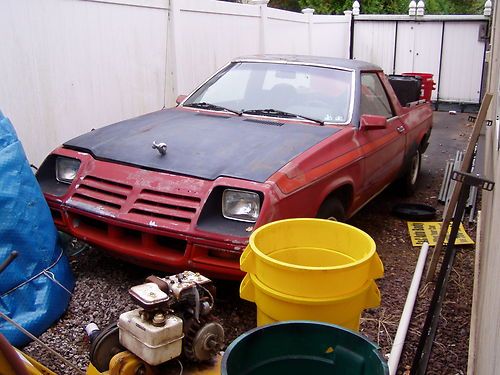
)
(292, 5)
(381, 6)
(327, 6)
(454, 7)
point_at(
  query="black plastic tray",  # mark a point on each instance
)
(414, 211)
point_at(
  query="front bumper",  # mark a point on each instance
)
(150, 247)
(151, 218)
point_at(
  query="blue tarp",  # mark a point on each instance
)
(35, 287)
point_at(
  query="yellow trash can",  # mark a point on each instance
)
(311, 269)
(312, 257)
(273, 306)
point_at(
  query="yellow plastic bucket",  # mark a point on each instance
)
(273, 306)
(311, 257)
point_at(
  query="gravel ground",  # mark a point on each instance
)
(102, 282)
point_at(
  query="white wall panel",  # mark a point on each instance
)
(330, 36)
(286, 32)
(427, 52)
(206, 40)
(69, 66)
(419, 49)
(485, 346)
(405, 47)
(374, 42)
(462, 64)
(445, 46)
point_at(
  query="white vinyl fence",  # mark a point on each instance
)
(206, 34)
(67, 66)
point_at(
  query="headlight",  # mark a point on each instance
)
(240, 205)
(66, 169)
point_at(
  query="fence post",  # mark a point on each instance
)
(349, 14)
(355, 8)
(420, 8)
(487, 8)
(412, 8)
(263, 23)
(309, 13)
(172, 66)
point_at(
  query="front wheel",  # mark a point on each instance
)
(410, 177)
(332, 209)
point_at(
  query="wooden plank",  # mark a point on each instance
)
(481, 117)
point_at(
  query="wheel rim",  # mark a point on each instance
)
(415, 166)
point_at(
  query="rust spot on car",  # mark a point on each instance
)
(99, 210)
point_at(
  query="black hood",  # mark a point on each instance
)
(201, 145)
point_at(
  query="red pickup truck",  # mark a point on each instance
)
(265, 138)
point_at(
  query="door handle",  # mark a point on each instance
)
(400, 129)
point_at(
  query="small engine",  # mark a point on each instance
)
(174, 318)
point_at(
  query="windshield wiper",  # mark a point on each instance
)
(210, 106)
(280, 113)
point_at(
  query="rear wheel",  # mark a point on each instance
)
(410, 177)
(332, 209)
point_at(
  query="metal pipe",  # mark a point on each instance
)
(44, 345)
(400, 338)
(443, 192)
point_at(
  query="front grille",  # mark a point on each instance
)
(151, 199)
(161, 205)
(107, 193)
(98, 231)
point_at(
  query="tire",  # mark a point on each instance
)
(332, 209)
(410, 177)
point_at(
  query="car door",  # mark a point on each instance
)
(383, 149)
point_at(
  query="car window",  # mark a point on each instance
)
(273, 77)
(231, 87)
(374, 99)
(315, 92)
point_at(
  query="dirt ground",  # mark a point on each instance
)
(102, 283)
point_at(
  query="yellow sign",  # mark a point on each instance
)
(421, 232)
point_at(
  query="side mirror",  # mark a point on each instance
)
(369, 122)
(180, 99)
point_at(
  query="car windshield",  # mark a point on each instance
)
(278, 90)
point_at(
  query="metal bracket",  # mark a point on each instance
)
(473, 118)
(483, 33)
(472, 180)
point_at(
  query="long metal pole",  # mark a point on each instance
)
(44, 345)
(404, 323)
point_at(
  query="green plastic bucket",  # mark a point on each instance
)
(303, 347)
